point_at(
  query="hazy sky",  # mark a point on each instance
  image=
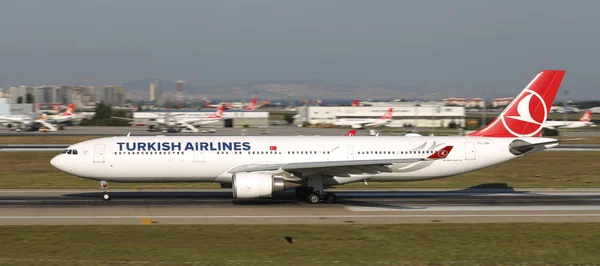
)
(436, 45)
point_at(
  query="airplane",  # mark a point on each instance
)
(362, 122)
(20, 122)
(62, 118)
(33, 122)
(173, 123)
(261, 166)
(585, 121)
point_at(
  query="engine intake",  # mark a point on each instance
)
(257, 185)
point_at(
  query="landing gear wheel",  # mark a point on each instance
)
(313, 198)
(329, 198)
(104, 186)
(301, 192)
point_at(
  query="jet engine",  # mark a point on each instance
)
(255, 185)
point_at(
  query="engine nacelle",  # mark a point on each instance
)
(257, 185)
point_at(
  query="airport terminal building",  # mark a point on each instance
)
(230, 118)
(403, 116)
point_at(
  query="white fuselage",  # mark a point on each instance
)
(208, 159)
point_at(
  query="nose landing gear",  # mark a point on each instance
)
(104, 186)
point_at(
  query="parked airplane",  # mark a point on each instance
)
(33, 122)
(62, 118)
(259, 166)
(366, 122)
(585, 121)
(20, 122)
(174, 123)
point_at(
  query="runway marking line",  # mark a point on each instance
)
(467, 208)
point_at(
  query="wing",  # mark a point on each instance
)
(350, 166)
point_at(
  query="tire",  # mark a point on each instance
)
(330, 198)
(313, 198)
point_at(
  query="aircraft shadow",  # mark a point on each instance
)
(347, 197)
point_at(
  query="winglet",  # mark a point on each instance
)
(441, 154)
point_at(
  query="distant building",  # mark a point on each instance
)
(154, 92)
(475, 102)
(399, 103)
(415, 116)
(111, 95)
(500, 102)
(455, 101)
(15, 109)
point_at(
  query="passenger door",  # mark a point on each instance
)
(99, 153)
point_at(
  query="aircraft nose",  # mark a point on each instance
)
(58, 162)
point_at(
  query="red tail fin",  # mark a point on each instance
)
(388, 114)
(355, 103)
(526, 114)
(69, 110)
(219, 112)
(251, 105)
(587, 117)
(352, 132)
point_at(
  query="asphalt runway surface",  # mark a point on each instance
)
(216, 206)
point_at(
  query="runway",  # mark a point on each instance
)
(215, 206)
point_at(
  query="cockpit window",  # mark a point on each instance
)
(70, 151)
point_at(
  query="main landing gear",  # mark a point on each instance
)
(104, 185)
(315, 197)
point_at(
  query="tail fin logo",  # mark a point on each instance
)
(442, 153)
(528, 117)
